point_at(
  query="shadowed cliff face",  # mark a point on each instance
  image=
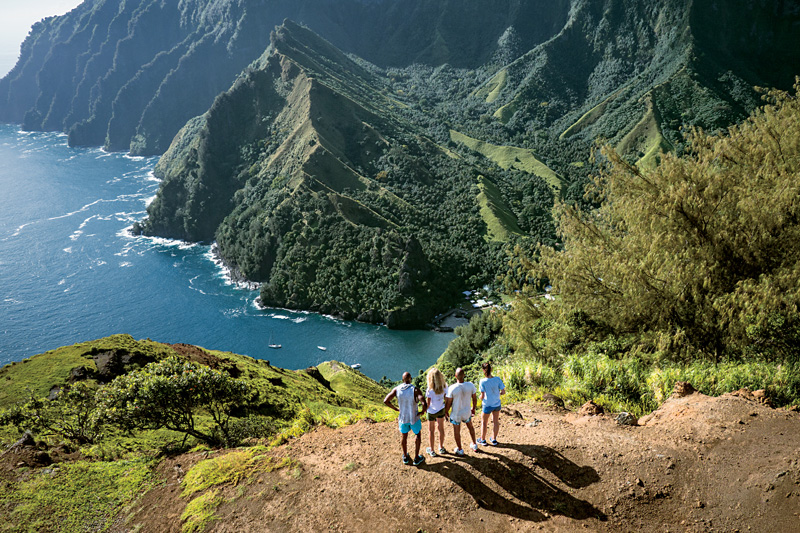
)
(129, 75)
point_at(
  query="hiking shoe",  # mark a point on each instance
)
(459, 452)
(442, 451)
(430, 452)
(406, 460)
(483, 442)
(474, 447)
(493, 442)
(419, 460)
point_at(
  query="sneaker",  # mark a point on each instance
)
(430, 452)
(419, 460)
(493, 442)
(483, 442)
(459, 452)
(474, 447)
(442, 451)
(406, 460)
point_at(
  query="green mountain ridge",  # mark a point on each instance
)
(381, 156)
(116, 74)
(306, 193)
(282, 393)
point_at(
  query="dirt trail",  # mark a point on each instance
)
(699, 464)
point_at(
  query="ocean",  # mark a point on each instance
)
(71, 272)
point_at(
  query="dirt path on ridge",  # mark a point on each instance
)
(699, 464)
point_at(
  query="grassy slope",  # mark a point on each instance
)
(491, 89)
(287, 391)
(510, 157)
(41, 372)
(645, 139)
(499, 219)
(590, 117)
(86, 494)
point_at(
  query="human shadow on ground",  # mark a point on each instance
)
(537, 496)
(572, 475)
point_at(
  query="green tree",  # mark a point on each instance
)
(171, 394)
(72, 415)
(701, 254)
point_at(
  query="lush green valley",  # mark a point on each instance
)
(382, 156)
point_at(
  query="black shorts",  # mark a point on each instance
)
(436, 415)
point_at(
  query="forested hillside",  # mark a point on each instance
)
(373, 158)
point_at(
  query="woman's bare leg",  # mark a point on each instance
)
(496, 423)
(441, 432)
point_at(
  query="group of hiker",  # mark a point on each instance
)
(455, 404)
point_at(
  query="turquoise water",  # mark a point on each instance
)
(70, 272)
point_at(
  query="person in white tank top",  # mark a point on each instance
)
(408, 396)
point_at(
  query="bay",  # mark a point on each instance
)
(71, 272)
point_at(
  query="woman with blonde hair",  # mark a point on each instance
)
(437, 387)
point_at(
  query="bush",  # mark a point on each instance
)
(171, 394)
(72, 415)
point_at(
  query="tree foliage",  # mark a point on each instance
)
(171, 394)
(71, 414)
(700, 254)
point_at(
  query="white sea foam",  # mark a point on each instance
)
(68, 249)
(191, 283)
(63, 281)
(225, 273)
(163, 242)
(125, 264)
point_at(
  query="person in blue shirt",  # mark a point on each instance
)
(491, 388)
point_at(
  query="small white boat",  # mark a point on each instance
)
(272, 344)
(322, 348)
(355, 366)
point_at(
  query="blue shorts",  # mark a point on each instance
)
(467, 421)
(489, 409)
(416, 427)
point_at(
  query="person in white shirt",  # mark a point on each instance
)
(491, 388)
(408, 396)
(458, 398)
(437, 387)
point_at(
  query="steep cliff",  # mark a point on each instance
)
(296, 170)
(128, 75)
(383, 154)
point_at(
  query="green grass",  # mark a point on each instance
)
(200, 512)
(230, 468)
(504, 113)
(499, 219)
(352, 383)
(645, 140)
(590, 117)
(491, 89)
(78, 496)
(633, 384)
(510, 157)
(41, 372)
